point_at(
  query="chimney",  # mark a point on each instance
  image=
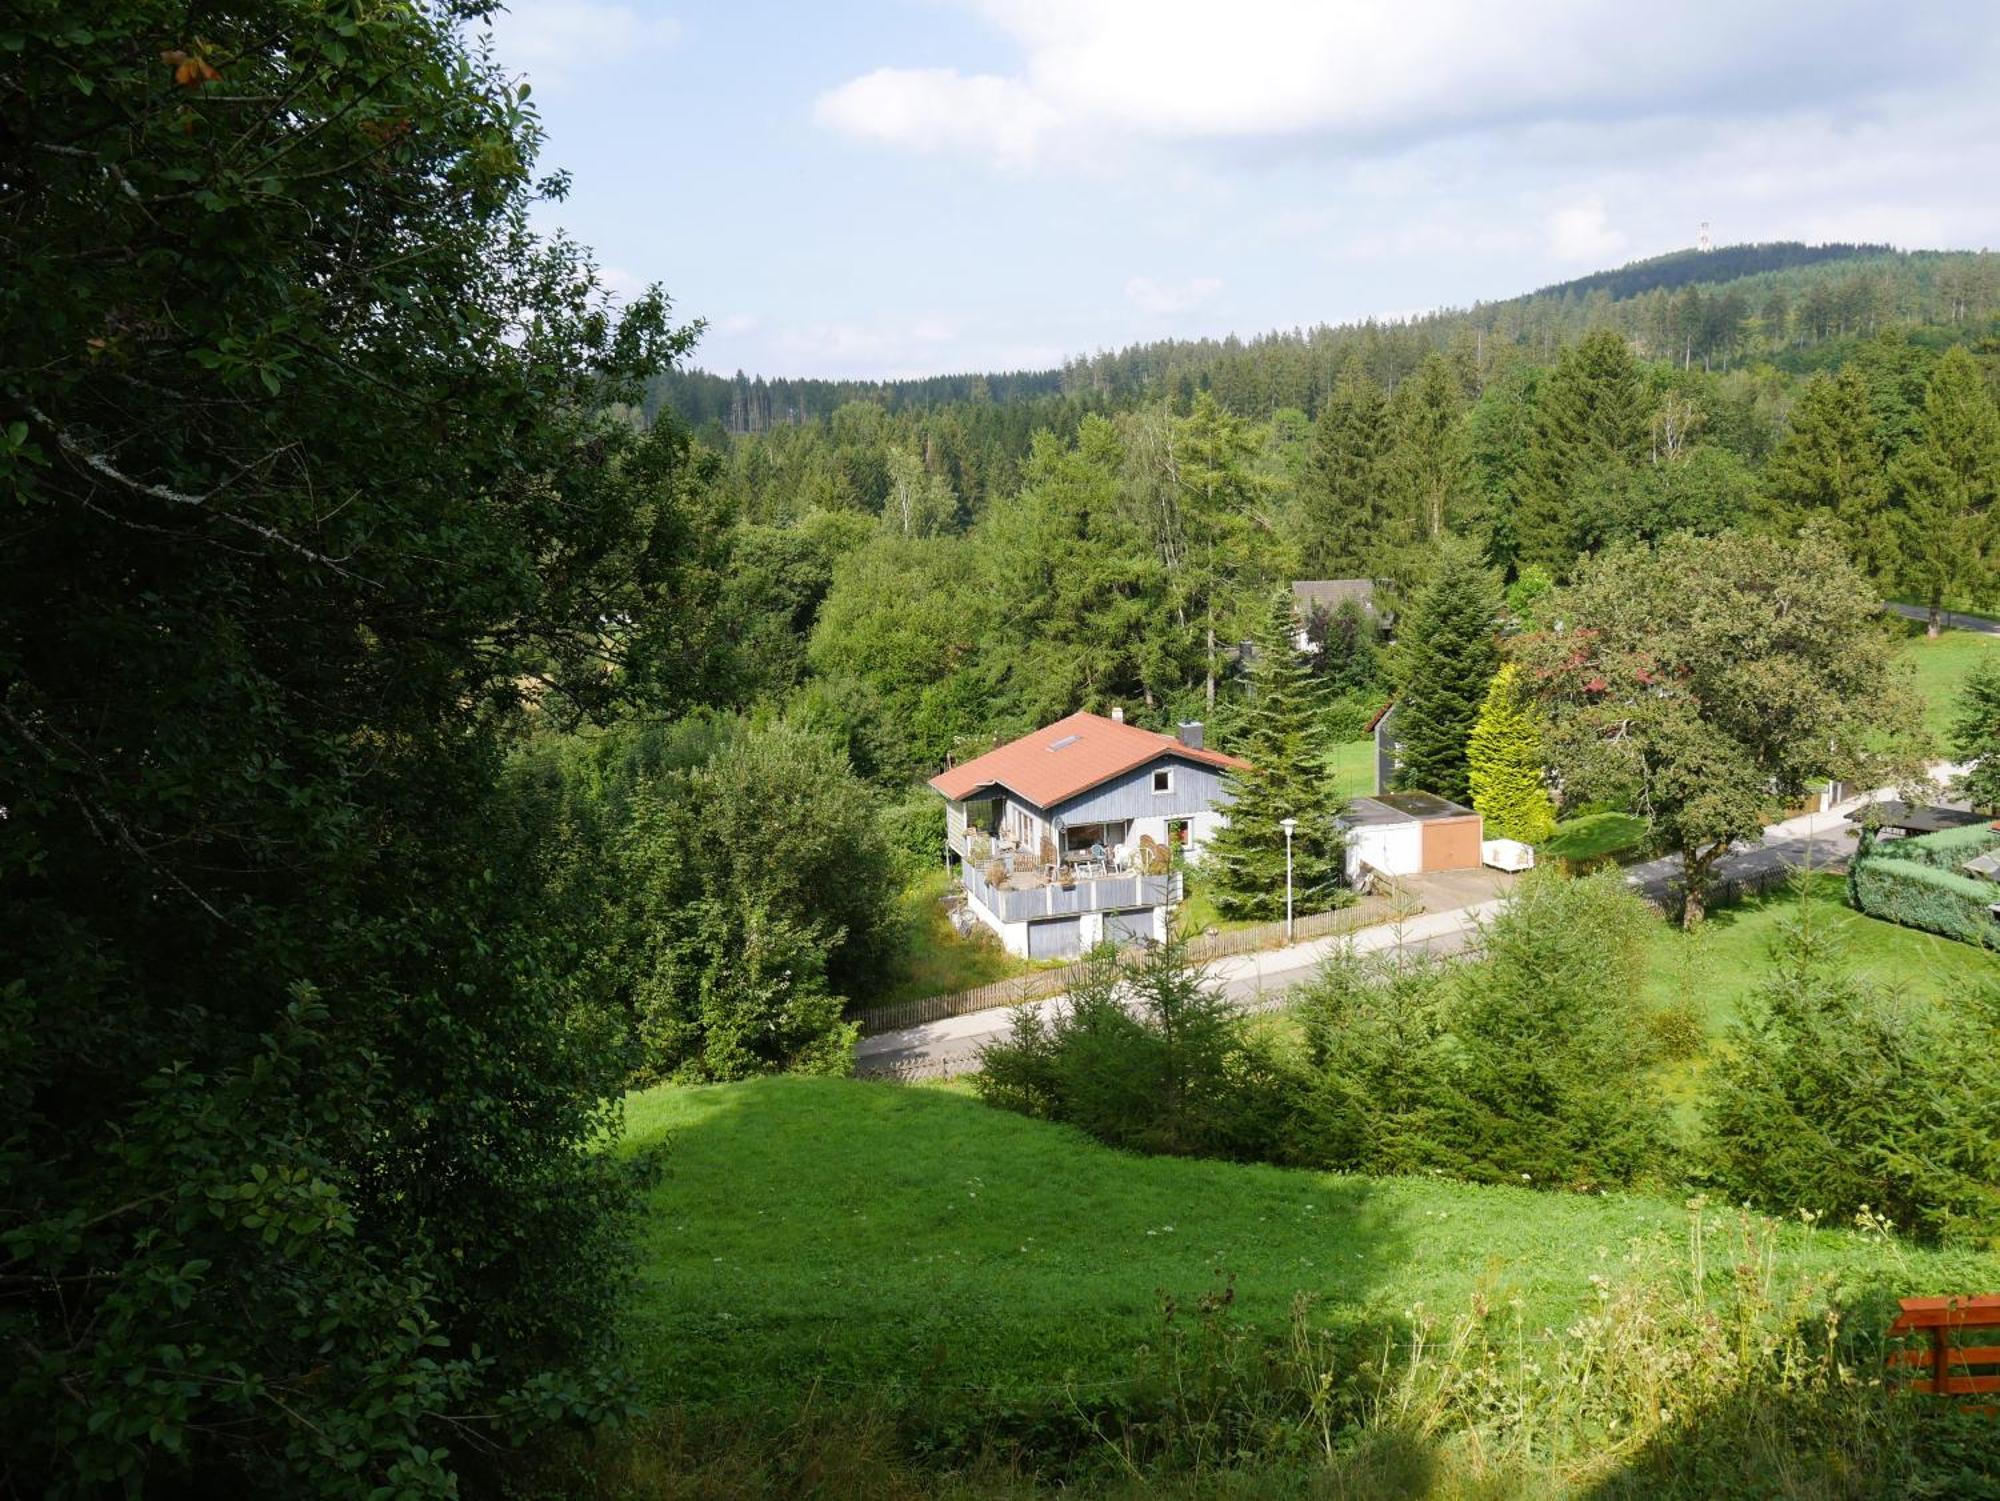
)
(1117, 713)
(1189, 732)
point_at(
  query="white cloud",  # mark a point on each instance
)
(1150, 295)
(554, 42)
(1374, 70)
(940, 109)
(1583, 232)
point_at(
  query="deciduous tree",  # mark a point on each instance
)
(316, 493)
(1708, 681)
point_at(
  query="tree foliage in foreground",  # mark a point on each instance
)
(297, 1185)
(1711, 680)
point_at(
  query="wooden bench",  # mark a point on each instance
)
(1953, 1369)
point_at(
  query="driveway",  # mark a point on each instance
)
(1816, 841)
(1977, 624)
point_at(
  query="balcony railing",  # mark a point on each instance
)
(1110, 893)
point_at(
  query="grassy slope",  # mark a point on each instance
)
(932, 958)
(908, 1241)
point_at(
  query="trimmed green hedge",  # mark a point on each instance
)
(1946, 850)
(1917, 883)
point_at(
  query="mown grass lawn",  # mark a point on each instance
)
(1722, 962)
(1351, 764)
(916, 1246)
(1942, 667)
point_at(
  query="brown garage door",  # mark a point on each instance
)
(1451, 843)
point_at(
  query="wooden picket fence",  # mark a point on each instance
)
(1040, 984)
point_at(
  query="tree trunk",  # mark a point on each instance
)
(1694, 884)
(1935, 623)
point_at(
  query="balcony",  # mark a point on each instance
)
(1025, 897)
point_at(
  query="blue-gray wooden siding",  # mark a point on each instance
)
(1197, 788)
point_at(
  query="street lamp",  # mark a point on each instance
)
(1288, 824)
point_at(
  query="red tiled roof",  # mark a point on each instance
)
(1070, 756)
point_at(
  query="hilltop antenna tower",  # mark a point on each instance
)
(1701, 241)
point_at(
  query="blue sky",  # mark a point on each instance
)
(904, 187)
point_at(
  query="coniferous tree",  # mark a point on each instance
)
(1830, 463)
(1285, 780)
(1451, 657)
(1341, 492)
(1591, 414)
(1948, 483)
(1975, 738)
(1429, 467)
(1504, 764)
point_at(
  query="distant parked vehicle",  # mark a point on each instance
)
(1506, 854)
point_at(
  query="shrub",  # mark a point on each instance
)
(1548, 1077)
(1836, 1097)
(1675, 1031)
(1530, 1064)
(1373, 1028)
(1594, 837)
(1148, 1055)
(913, 831)
(1347, 717)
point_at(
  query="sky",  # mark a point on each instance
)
(886, 188)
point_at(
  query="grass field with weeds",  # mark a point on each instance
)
(906, 1291)
(914, 1243)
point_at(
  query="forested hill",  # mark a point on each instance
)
(1777, 301)
(1685, 268)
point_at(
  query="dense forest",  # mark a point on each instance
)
(928, 576)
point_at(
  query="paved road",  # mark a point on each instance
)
(1954, 621)
(1256, 982)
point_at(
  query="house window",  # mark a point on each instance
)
(1163, 781)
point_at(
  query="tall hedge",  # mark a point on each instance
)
(1919, 885)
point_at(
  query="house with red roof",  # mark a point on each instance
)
(1068, 836)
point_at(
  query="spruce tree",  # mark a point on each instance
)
(1948, 482)
(1591, 414)
(1975, 738)
(1451, 657)
(1341, 493)
(1430, 464)
(1830, 463)
(1504, 764)
(1281, 742)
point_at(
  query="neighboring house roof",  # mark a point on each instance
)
(1070, 756)
(1333, 593)
(1894, 813)
(1401, 807)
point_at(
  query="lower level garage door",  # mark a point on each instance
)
(1124, 928)
(1057, 938)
